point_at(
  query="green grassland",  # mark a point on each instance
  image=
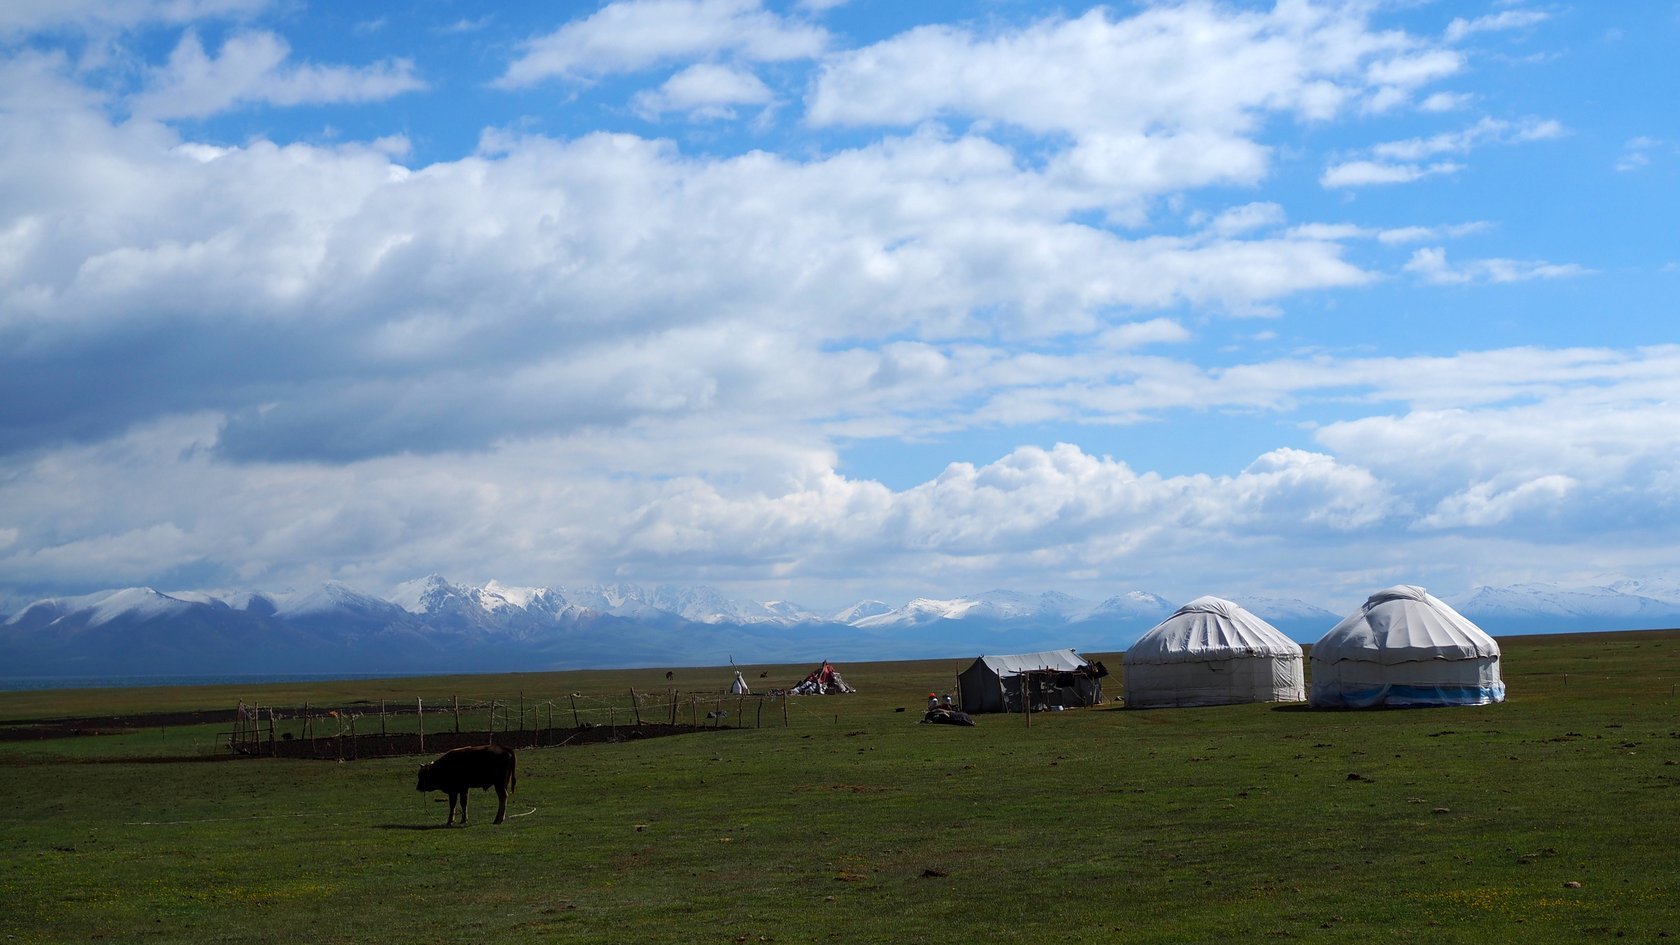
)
(1554, 817)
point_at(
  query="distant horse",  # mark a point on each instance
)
(670, 675)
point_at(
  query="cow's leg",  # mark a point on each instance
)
(465, 793)
(451, 819)
(501, 801)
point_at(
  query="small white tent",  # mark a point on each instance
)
(739, 686)
(1405, 647)
(1212, 652)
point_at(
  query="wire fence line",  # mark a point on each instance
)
(380, 728)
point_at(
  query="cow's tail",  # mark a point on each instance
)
(513, 773)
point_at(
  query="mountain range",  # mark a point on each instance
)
(435, 625)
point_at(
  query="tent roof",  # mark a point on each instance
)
(1404, 624)
(1062, 661)
(1210, 628)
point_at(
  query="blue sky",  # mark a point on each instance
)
(829, 300)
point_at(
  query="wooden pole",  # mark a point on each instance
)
(420, 717)
(636, 705)
(785, 722)
(740, 704)
(759, 722)
(575, 722)
(522, 710)
(455, 707)
(272, 750)
(492, 721)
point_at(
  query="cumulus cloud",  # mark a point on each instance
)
(704, 91)
(631, 35)
(251, 68)
(569, 357)
(540, 285)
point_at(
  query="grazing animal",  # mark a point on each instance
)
(476, 766)
(670, 675)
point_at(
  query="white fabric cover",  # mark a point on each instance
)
(992, 683)
(1062, 661)
(739, 686)
(1213, 652)
(1405, 647)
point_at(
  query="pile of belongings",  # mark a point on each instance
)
(823, 681)
(942, 712)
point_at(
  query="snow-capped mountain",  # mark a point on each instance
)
(1534, 608)
(435, 625)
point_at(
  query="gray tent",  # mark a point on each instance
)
(1051, 678)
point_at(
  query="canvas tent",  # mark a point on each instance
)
(1051, 678)
(739, 686)
(1405, 647)
(1213, 652)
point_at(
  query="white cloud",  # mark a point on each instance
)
(631, 35)
(1430, 264)
(1484, 504)
(1400, 162)
(1210, 70)
(251, 68)
(1368, 173)
(705, 91)
(1247, 218)
(1636, 154)
(1461, 28)
(30, 16)
(1445, 102)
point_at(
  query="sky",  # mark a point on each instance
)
(824, 300)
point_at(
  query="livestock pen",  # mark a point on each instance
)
(366, 728)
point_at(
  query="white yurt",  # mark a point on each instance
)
(1212, 652)
(1405, 647)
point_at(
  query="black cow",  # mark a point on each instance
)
(476, 766)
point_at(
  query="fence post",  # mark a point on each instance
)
(492, 721)
(636, 706)
(784, 709)
(575, 722)
(420, 714)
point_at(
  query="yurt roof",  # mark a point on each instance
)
(1210, 628)
(1403, 624)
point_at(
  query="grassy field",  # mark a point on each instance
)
(1551, 818)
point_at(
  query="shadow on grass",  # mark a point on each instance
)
(418, 827)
